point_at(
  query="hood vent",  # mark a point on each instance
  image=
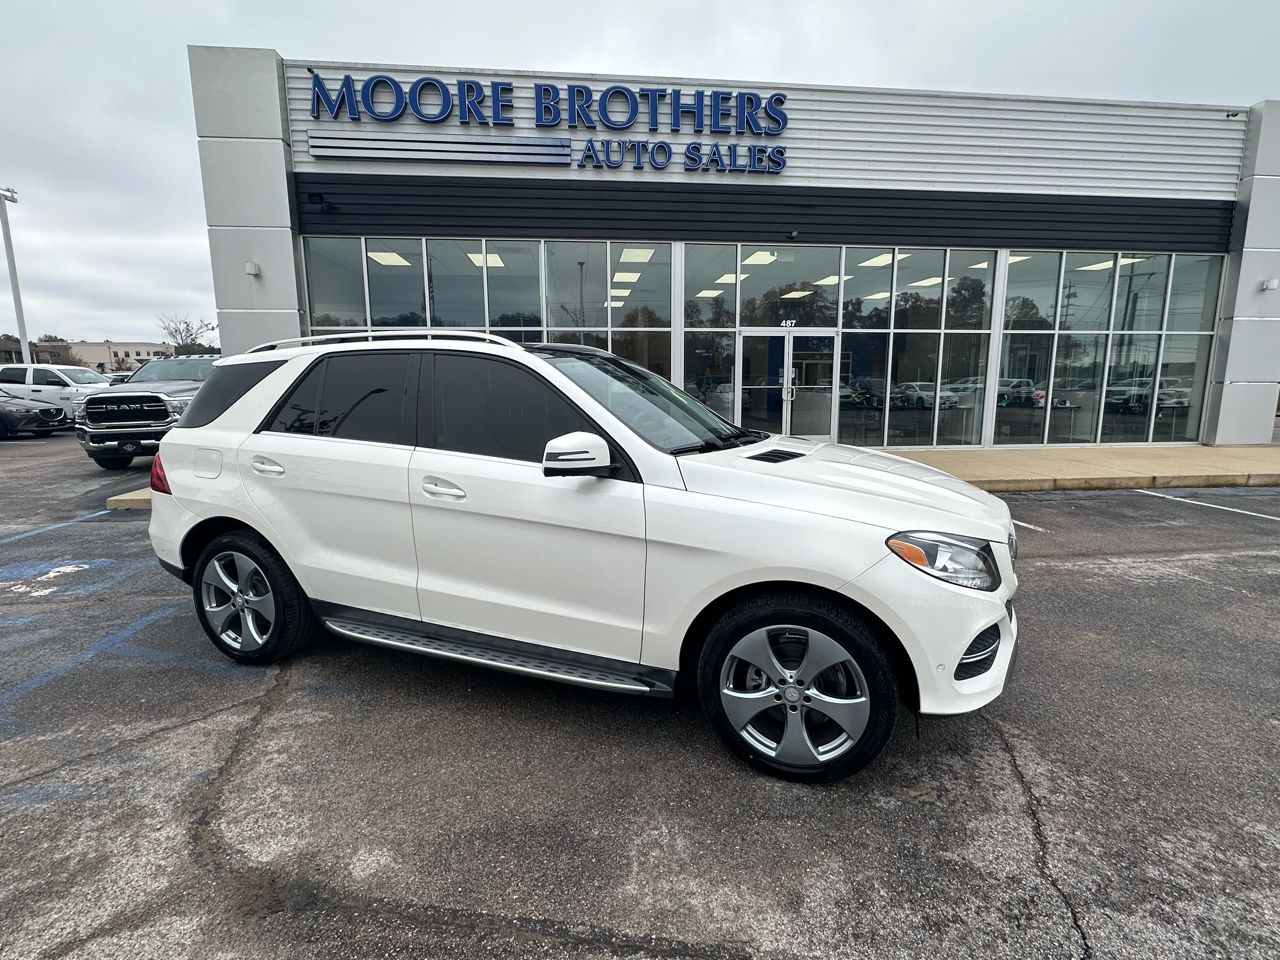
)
(776, 456)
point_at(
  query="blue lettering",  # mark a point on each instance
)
(777, 159)
(633, 107)
(717, 155)
(775, 112)
(758, 159)
(748, 104)
(397, 97)
(654, 96)
(579, 100)
(641, 147)
(415, 100)
(496, 91)
(733, 158)
(692, 155)
(666, 155)
(470, 96)
(590, 151)
(608, 153)
(720, 111)
(346, 94)
(546, 105)
(697, 108)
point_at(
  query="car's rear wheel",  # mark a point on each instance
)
(113, 463)
(798, 687)
(248, 602)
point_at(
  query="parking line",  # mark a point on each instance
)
(1216, 506)
(65, 523)
(1030, 526)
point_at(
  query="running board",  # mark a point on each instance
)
(514, 656)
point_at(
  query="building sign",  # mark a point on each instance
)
(607, 122)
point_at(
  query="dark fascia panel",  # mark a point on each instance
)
(356, 204)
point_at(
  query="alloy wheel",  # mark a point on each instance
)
(237, 601)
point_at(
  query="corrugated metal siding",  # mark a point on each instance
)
(739, 211)
(861, 138)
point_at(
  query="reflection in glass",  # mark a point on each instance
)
(576, 279)
(1193, 298)
(868, 285)
(651, 350)
(763, 377)
(587, 338)
(964, 376)
(1128, 398)
(710, 287)
(1077, 388)
(335, 281)
(520, 334)
(708, 370)
(1024, 365)
(918, 299)
(1183, 373)
(1086, 291)
(789, 286)
(640, 285)
(912, 388)
(969, 289)
(1140, 291)
(455, 283)
(515, 288)
(862, 382)
(1031, 293)
(397, 296)
(812, 363)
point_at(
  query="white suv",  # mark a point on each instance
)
(557, 511)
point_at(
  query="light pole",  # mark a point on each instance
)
(7, 196)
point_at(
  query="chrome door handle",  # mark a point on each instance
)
(436, 487)
(268, 469)
(788, 393)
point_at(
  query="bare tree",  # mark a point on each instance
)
(187, 337)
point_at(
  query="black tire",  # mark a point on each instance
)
(41, 434)
(815, 617)
(4, 429)
(113, 463)
(919, 403)
(293, 624)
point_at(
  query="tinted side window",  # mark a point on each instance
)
(497, 409)
(225, 386)
(298, 412)
(363, 397)
(46, 378)
(13, 375)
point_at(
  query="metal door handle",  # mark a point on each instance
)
(788, 393)
(436, 487)
(270, 469)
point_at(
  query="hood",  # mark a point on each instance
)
(22, 403)
(852, 483)
(170, 388)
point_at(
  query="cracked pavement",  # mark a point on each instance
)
(158, 801)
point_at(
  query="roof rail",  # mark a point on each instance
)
(385, 335)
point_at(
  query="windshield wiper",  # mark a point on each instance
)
(706, 446)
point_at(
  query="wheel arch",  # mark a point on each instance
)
(696, 635)
(202, 534)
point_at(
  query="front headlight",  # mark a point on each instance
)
(177, 406)
(1013, 542)
(77, 407)
(964, 561)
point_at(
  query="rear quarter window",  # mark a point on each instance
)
(225, 385)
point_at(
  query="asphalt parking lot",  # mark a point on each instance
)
(1121, 800)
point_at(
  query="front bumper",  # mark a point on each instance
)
(146, 441)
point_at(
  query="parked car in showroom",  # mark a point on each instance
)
(126, 420)
(49, 383)
(560, 512)
(921, 396)
(18, 415)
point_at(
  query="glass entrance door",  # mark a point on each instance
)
(786, 383)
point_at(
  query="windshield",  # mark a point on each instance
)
(81, 375)
(176, 368)
(667, 417)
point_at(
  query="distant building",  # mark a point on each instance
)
(110, 355)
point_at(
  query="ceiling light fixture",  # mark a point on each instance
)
(796, 294)
(635, 255)
(623, 277)
(619, 292)
(1102, 265)
(494, 259)
(616, 303)
(926, 282)
(709, 293)
(728, 277)
(388, 258)
(877, 296)
(883, 260)
(761, 257)
(1124, 260)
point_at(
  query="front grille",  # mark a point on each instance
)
(51, 413)
(775, 456)
(109, 410)
(980, 655)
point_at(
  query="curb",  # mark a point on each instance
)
(133, 500)
(1129, 483)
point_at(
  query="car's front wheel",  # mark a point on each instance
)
(798, 687)
(248, 602)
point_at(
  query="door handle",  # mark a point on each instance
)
(437, 487)
(788, 393)
(267, 469)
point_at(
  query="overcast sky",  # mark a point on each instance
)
(97, 135)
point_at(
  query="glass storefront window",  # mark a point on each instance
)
(912, 388)
(868, 286)
(1127, 403)
(964, 385)
(587, 338)
(710, 285)
(917, 302)
(515, 285)
(577, 274)
(1086, 291)
(1077, 388)
(1193, 298)
(1140, 292)
(862, 388)
(640, 285)
(1024, 369)
(651, 350)
(455, 283)
(1184, 367)
(789, 286)
(397, 296)
(969, 289)
(1031, 292)
(335, 281)
(708, 370)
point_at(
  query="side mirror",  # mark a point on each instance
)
(577, 455)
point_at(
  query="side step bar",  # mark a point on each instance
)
(515, 656)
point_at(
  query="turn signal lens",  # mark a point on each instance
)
(964, 561)
(159, 482)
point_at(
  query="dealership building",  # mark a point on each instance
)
(879, 267)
